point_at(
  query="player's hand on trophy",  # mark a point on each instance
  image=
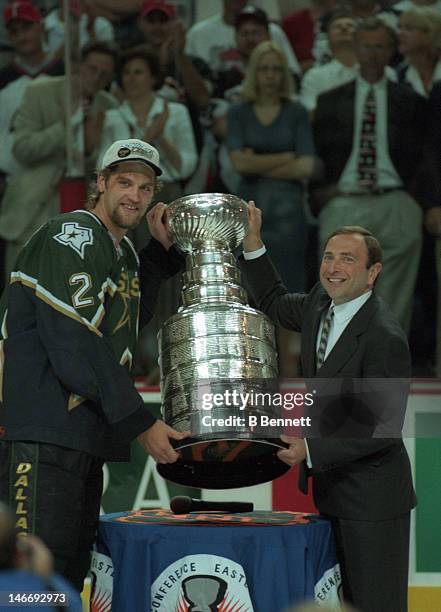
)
(295, 453)
(156, 442)
(253, 240)
(158, 224)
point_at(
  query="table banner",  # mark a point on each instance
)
(153, 560)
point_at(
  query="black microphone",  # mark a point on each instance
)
(183, 505)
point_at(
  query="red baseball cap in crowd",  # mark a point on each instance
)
(158, 5)
(21, 10)
(75, 7)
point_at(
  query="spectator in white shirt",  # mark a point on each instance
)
(251, 28)
(90, 25)
(362, 9)
(209, 37)
(25, 29)
(341, 69)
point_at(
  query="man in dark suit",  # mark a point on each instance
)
(364, 484)
(369, 134)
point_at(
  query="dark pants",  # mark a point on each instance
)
(374, 562)
(54, 493)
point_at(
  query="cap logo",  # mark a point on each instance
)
(123, 152)
(131, 149)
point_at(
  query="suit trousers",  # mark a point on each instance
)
(374, 562)
(395, 219)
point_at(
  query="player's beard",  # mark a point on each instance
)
(124, 222)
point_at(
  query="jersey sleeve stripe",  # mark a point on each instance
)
(130, 243)
(51, 300)
(2, 354)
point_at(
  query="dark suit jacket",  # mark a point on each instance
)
(364, 478)
(433, 142)
(435, 114)
(407, 114)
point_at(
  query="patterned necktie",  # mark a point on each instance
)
(367, 156)
(321, 351)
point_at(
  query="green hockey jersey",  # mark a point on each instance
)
(69, 322)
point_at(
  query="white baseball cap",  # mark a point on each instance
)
(132, 149)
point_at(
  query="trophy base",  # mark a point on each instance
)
(225, 463)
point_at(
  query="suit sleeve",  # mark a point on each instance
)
(34, 141)
(156, 265)
(71, 297)
(270, 294)
(431, 177)
(321, 128)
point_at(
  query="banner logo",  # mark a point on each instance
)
(202, 583)
(327, 589)
(102, 583)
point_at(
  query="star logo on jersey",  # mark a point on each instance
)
(75, 237)
(124, 293)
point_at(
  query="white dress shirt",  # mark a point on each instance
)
(254, 254)
(387, 176)
(343, 314)
(413, 77)
(319, 79)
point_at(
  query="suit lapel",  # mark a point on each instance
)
(309, 339)
(348, 342)
(347, 110)
(393, 122)
(351, 114)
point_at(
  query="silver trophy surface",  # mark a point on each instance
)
(215, 343)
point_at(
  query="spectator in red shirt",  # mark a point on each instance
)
(24, 25)
(303, 29)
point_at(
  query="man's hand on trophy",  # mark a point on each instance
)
(156, 442)
(295, 453)
(158, 225)
(253, 240)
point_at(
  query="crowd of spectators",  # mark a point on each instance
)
(237, 103)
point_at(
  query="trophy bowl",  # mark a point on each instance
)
(216, 343)
(208, 220)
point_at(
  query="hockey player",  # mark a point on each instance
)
(69, 322)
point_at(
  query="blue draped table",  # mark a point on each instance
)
(149, 560)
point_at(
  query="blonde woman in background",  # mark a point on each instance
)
(269, 140)
(420, 43)
(270, 143)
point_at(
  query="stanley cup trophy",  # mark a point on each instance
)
(216, 344)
